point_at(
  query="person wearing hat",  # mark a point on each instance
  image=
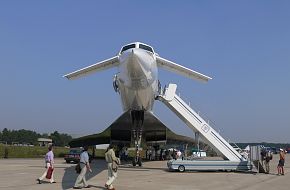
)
(280, 166)
(85, 165)
(113, 162)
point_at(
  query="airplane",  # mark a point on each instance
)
(137, 83)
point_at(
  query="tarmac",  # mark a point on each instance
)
(21, 174)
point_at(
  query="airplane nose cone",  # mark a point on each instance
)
(133, 56)
(137, 67)
(136, 63)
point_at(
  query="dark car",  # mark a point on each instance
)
(275, 150)
(74, 156)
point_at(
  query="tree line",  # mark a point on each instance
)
(265, 144)
(23, 136)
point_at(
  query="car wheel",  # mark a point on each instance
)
(67, 161)
(181, 168)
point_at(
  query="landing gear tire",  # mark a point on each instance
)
(134, 162)
(139, 162)
(181, 168)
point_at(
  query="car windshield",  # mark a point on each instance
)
(75, 151)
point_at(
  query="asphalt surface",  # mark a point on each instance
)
(21, 174)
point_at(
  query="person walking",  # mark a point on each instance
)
(263, 156)
(112, 160)
(85, 165)
(267, 161)
(280, 166)
(126, 154)
(178, 154)
(150, 154)
(6, 152)
(49, 165)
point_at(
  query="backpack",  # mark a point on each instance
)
(269, 156)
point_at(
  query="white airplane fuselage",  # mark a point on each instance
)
(137, 82)
(137, 79)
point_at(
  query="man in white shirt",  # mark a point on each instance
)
(126, 154)
(112, 172)
(85, 164)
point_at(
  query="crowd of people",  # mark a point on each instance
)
(113, 162)
(163, 154)
(123, 153)
(152, 154)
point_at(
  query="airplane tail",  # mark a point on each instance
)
(179, 69)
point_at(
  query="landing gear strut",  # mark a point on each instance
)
(137, 121)
(137, 135)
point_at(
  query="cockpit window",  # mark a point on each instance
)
(128, 47)
(145, 47)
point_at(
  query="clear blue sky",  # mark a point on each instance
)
(243, 45)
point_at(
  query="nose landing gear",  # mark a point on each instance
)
(137, 121)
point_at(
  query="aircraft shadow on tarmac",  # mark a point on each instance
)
(70, 175)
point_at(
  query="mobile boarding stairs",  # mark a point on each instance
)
(233, 159)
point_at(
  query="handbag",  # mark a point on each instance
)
(49, 172)
(78, 168)
(115, 165)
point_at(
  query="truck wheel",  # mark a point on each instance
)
(181, 168)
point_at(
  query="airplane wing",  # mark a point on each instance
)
(179, 69)
(103, 65)
(120, 131)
